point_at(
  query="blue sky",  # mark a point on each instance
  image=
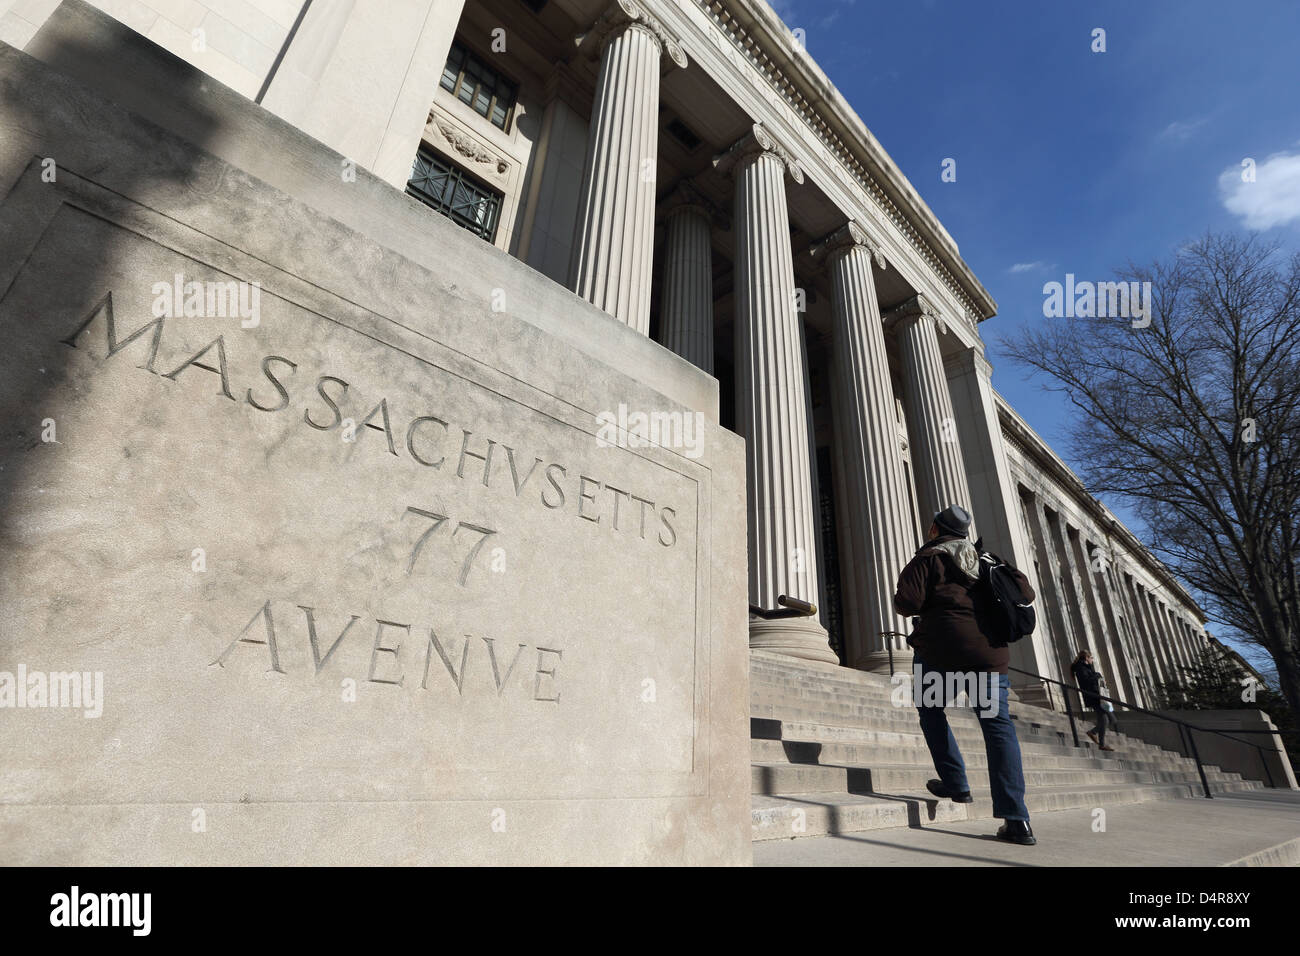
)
(1069, 160)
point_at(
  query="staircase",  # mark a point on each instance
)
(830, 754)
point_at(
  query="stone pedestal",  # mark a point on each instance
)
(419, 642)
(614, 235)
(772, 411)
(875, 530)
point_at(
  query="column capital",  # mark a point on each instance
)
(843, 239)
(915, 308)
(685, 196)
(625, 15)
(564, 84)
(753, 144)
(967, 361)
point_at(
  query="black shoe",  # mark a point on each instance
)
(1017, 831)
(937, 788)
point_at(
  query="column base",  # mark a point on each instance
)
(877, 662)
(794, 637)
(1031, 693)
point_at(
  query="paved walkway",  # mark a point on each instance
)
(1260, 827)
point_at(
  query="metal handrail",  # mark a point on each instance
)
(1185, 727)
(889, 646)
(790, 607)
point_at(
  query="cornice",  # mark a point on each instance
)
(755, 33)
(1038, 454)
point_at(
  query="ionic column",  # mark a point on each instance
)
(1138, 658)
(1050, 598)
(771, 398)
(875, 529)
(1189, 634)
(1175, 646)
(1150, 663)
(931, 425)
(614, 235)
(1164, 676)
(686, 300)
(1098, 563)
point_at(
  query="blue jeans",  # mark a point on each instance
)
(1006, 775)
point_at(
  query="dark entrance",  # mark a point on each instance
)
(832, 609)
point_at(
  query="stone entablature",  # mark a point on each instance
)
(1099, 586)
(1036, 459)
(765, 60)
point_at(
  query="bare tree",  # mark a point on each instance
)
(1194, 421)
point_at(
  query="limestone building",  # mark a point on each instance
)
(685, 166)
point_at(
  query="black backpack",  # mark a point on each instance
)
(1004, 615)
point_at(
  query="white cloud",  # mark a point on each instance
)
(1027, 267)
(787, 10)
(1273, 199)
(800, 13)
(1182, 130)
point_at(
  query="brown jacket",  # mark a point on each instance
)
(935, 587)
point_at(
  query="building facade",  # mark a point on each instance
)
(685, 166)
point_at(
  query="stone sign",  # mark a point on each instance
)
(308, 556)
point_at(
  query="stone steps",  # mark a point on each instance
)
(909, 735)
(866, 753)
(785, 779)
(830, 753)
(964, 726)
(820, 814)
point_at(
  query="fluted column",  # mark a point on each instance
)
(1175, 647)
(1051, 598)
(1137, 655)
(1098, 563)
(771, 398)
(614, 234)
(1159, 666)
(875, 529)
(1150, 663)
(931, 425)
(686, 301)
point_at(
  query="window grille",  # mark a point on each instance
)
(453, 193)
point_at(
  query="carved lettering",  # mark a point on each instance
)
(486, 458)
(193, 360)
(410, 439)
(284, 392)
(269, 643)
(514, 472)
(386, 428)
(436, 645)
(380, 648)
(320, 390)
(316, 658)
(496, 671)
(548, 672)
(105, 306)
(564, 490)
